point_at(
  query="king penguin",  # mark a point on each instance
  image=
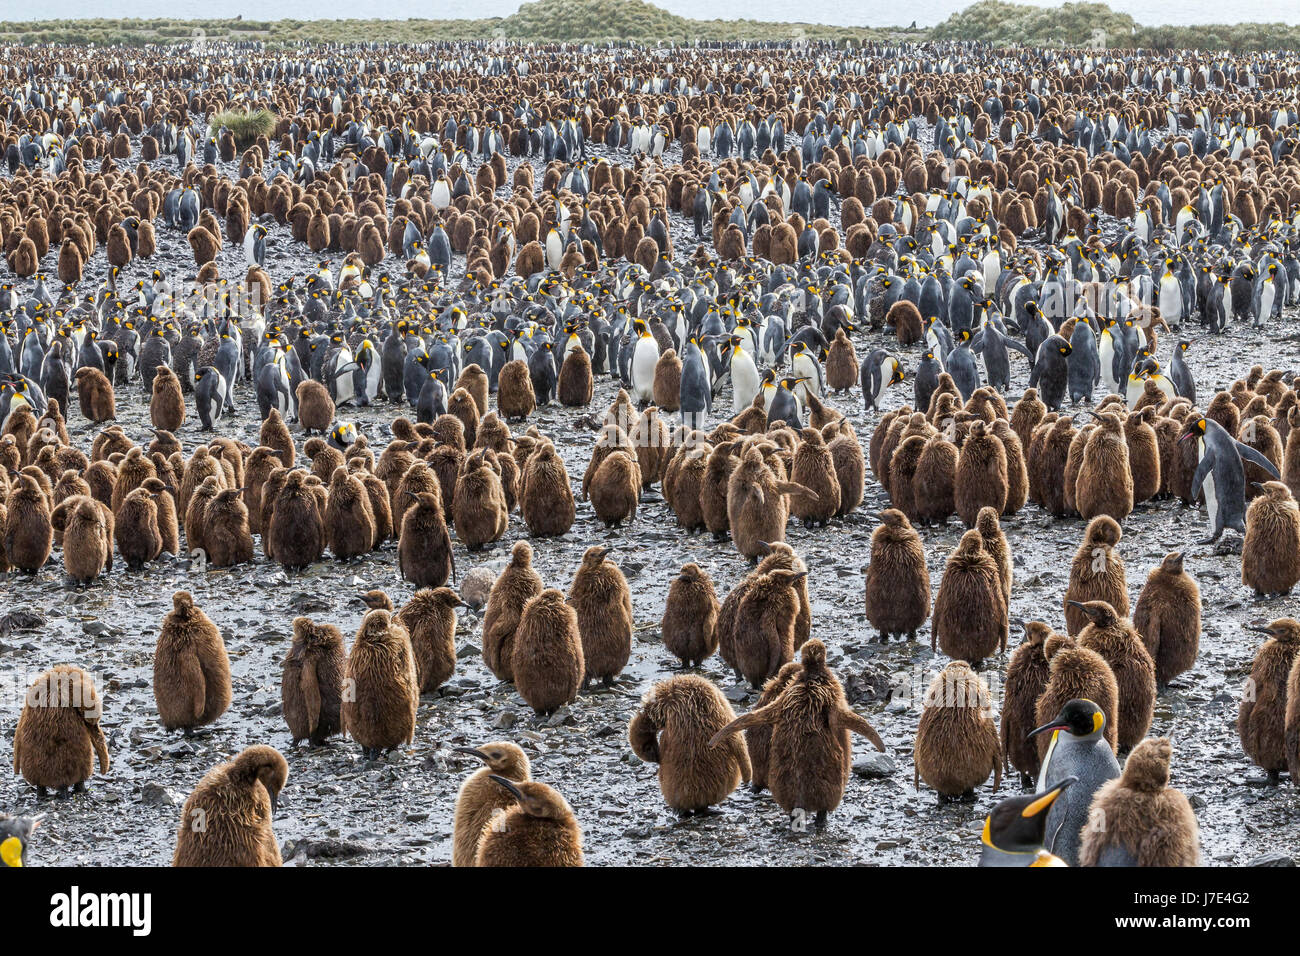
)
(1014, 831)
(645, 357)
(1079, 751)
(1219, 468)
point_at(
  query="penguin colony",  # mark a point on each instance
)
(737, 226)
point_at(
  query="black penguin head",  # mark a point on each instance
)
(1080, 718)
(1019, 824)
(1194, 430)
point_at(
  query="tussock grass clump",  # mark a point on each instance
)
(245, 126)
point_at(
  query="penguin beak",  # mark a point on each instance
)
(471, 751)
(508, 784)
(604, 552)
(765, 547)
(1055, 724)
(1256, 484)
(1044, 802)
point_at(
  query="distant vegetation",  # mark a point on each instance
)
(598, 21)
(244, 126)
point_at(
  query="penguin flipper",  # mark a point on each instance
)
(754, 718)
(100, 744)
(192, 674)
(848, 720)
(1256, 457)
(1019, 347)
(1203, 469)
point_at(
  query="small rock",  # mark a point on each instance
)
(156, 795)
(1273, 858)
(505, 720)
(874, 766)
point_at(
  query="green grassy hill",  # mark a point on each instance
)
(989, 21)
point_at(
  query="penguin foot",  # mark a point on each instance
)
(42, 793)
(1026, 782)
(79, 787)
(63, 794)
(820, 822)
(967, 797)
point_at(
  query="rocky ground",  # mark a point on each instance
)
(339, 808)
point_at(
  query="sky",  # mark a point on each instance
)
(836, 12)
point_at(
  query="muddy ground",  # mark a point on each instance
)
(338, 808)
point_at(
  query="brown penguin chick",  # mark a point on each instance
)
(810, 753)
(970, 615)
(1143, 454)
(311, 682)
(763, 631)
(1270, 556)
(1137, 819)
(1017, 469)
(934, 480)
(226, 821)
(1073, 462)
(315, 407)
(540, 830)
(850, 466)
(689, 624)
(514, 588)
(1075, 672)
(132, 472)
(898, 581)
(349, 521)
(547, 498)
(602, 601)
(1027, 414)
(995, 543)
(58, 735)
(479, 510)
(515, 397)
(1168, 617)
(814, 469)
(95, 392)
(204, 244)
(379, 712)
(841, 363)
(274, 433)
(667, 387)
(197, 513)
(430, 619)
(424, 555)
(167, 401)
(380, 511)
(758, 739)
(905, 317)
(225, 529)
(981, 477)
(325, 458)
(191, 672)
(257, 469)
(575, 384)
(956, 740)
(546, 654)
(1291, 727)
(481, 800)
(168, 528)
(1096, 573)
(419, 479)
(1027, 674)
(1291, 456)
(1047, 467)
(672, 728)
(757, 507)
(714, 487)
(87, 537)
(1116, 640)
(296, 531)
(202, 464)
(615, 488)
(475, 381)
(1261, 718)
(135, 529)
(1105, 483)
(462, 406)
